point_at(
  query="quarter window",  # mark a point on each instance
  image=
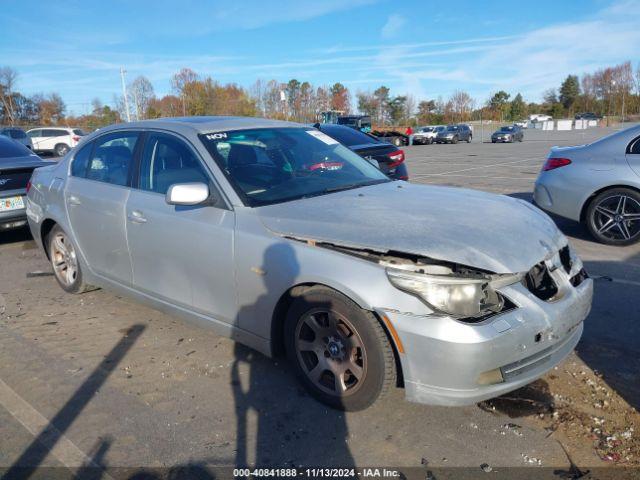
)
(112, 157)
(166, 161)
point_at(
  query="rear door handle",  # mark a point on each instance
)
(73, 200)
(136, 216)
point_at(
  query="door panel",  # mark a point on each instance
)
(182, 254)
(97, 212)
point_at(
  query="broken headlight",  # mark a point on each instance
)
(459, 296)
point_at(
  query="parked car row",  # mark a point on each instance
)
(54, 140)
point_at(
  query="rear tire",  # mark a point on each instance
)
(613, 217)
(339, 351)
(65, 262)
(61, 149)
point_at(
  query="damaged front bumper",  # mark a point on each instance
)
(450, 362)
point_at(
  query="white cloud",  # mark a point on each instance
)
(529, 63)
(394, 24)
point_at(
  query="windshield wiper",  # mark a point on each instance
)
(350, 186)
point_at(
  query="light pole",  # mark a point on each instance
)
(124, 93)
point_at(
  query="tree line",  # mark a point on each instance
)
(609, 91)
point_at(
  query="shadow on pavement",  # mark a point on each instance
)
(14, 236)
(610, 342)
(289, 427)
(35, 453)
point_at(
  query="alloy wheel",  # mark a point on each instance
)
(63, 259)
(617, 217)
(331, 352)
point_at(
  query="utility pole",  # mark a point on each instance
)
(135, 99)
(124, 93)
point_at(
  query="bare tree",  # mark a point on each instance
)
(141, 93)
(180, 81)
(461, 105)
(8, 78)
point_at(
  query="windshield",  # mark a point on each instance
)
(273, 165)
(452, 128)
(507, 129)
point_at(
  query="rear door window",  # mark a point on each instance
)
(112, 157)
(81, 160)
(51, 132)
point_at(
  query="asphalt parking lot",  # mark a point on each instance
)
(99, 380)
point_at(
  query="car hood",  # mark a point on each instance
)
(491, 232)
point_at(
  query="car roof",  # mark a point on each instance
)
(205, 124)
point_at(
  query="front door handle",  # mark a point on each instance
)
(136, 216)
(73, 200)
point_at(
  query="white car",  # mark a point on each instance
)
(426, 135)
(538, 117)
(56, 140)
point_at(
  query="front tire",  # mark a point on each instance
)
(613, 217)
(339, 351)
(469, 139)
(455, 140)
(65, 262)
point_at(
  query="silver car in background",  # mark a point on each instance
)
(275, 235)
(596, 184)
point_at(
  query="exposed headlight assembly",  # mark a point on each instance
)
(458, 296)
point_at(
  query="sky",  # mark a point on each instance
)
(424, 48)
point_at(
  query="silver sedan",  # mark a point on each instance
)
(277, 236)
(596, 184)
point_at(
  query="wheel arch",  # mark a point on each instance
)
(283, 305)
(587, 202)
(45, 228)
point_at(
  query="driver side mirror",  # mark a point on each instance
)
(187, 194)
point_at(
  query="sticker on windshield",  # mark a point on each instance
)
(216, 136)
(322, 137)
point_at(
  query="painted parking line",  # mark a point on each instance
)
(37, 424)
(471, 168)
(528, 179)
